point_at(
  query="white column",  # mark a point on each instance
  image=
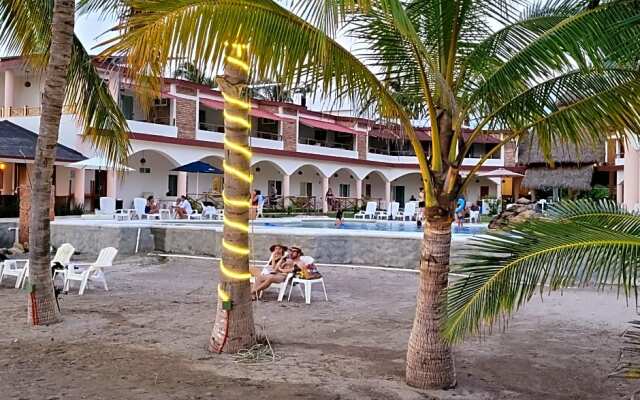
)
(325, 189)
(387, 193)
(9, 91)
(619, 194)
(359, 189)
(286, 188)
(112, 184)
(114, 84)
(182, 184)
(631, 179)
(78, 186)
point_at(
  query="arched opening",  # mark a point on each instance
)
(268, 179)
(151, 176)
(405, 188)
(201, 185)
(306, 188)
(343, 183)
(374, 188)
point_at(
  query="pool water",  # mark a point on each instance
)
(373, 226)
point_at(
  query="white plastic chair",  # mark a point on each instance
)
(63, 257)
(474, 216)
(196, 215)
(139, 205)
(209, 212)
(307, 283)
(409, 211)
(370, 211)
(395, 207)
(384, 214)
(165, 214)
(16, 268)
(90, 272)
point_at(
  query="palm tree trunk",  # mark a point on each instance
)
(234, 329)
(429, 359)
(42, 308)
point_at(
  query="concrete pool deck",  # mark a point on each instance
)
(330, 246)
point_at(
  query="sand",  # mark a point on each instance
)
(146, 339)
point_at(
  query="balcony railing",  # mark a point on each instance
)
(211, 127)
(395, 153)
(266, 135)
(29, 111)
(326, 143)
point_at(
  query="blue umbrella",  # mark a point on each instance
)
(199, 167)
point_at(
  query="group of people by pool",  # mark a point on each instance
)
(182, 207)
(282, 262)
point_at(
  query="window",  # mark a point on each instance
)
(145, 170)
(306, 189)
(484, 192)
(126, 103)
(320, 135)
(345, 190)
(267, 125)
(173, 185)
(367, 190)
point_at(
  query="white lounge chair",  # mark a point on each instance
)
(307, 283)
(409, 211)
(139, 205)
(16, 268)
(108, 208)
(370, 211)
(395, 209)
(90, 272)
(209, 212)
(195, 214)
(382, 214)
(63, 258)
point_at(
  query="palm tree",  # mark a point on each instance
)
(448, 63)
(190, 72)
(42, 32)
(581, 243)
(234, 331)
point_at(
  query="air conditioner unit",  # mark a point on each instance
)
(160, 102)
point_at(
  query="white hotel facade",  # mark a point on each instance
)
(297, 152)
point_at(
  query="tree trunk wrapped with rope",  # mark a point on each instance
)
(234, 329)
(42, 308)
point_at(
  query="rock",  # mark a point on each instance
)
(521, 211)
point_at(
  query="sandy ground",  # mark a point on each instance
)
(146, 339)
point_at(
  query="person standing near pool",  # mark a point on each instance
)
(339, 218)
(459, 213)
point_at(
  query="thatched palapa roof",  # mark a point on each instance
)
(529, 152)
(566, 177)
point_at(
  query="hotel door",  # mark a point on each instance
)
(98, 188)
(398, 195)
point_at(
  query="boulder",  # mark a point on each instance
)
(524, 209)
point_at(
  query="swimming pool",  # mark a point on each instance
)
(384, 226)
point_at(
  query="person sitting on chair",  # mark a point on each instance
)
(152, 206)
(279, 273)
(183, 207)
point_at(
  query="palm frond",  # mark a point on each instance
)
(628, 366)
(575, 107)
(104, 125)
(26, 30)
(589, 38)
(508, 268)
